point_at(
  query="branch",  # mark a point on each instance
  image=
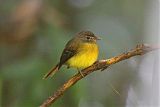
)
(99, 65)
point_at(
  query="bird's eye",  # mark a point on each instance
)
(88, 37)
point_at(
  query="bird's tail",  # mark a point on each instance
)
(52, 71)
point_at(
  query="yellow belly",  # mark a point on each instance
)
(86, 56)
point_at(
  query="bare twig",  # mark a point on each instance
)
(99, 65)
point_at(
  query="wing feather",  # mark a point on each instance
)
(69, 51)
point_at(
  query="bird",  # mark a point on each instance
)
(80, 52)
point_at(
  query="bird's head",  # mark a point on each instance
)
(87, 36)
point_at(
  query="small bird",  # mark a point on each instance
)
(80, 52)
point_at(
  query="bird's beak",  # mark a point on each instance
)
(98, 38)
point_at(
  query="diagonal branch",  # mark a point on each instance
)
(99, 65)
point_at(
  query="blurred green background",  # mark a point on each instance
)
(33, 34)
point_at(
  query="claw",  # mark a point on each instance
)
(80, 73)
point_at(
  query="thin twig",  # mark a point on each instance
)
(99, 65)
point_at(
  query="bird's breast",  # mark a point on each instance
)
(86, 55)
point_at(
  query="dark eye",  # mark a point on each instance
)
(88, 37)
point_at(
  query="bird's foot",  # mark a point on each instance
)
(81, 73)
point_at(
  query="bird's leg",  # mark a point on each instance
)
(80, 72)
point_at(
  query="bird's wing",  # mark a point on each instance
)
(69, 51)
